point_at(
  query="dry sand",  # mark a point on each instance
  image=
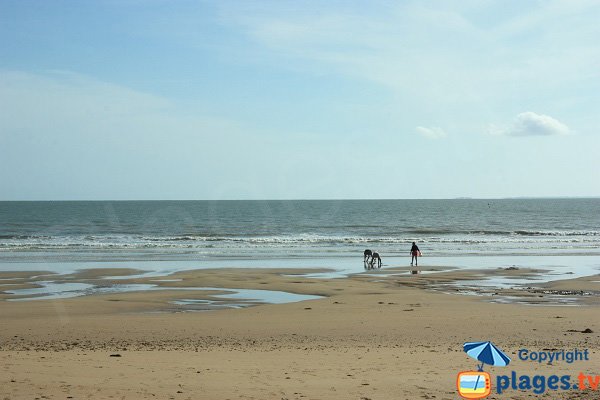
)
(373, 336)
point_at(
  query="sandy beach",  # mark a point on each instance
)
(371, 336)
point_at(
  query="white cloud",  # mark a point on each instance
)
(435, 54)
(431, 133)
(532, 124)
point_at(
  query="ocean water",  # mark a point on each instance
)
(229, 230)
(559, 236)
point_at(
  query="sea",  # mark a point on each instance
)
(168, 236)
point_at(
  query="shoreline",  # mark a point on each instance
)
(501, 284)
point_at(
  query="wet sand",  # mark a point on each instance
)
(372, 336)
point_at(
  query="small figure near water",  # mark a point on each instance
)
(369, 259)
(367, 256)
(415, 254)
(375, 258)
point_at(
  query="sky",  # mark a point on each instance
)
(162, 99)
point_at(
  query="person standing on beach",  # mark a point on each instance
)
(415, 253)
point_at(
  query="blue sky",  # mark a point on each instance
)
(298, 99)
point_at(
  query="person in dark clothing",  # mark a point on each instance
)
(415, 253)
(367, 256)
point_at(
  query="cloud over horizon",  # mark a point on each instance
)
(431, 133)
(531, 124)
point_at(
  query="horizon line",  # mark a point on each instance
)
(315, 199)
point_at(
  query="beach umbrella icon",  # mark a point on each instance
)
(487, 353)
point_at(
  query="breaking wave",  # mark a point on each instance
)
(23, 242)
